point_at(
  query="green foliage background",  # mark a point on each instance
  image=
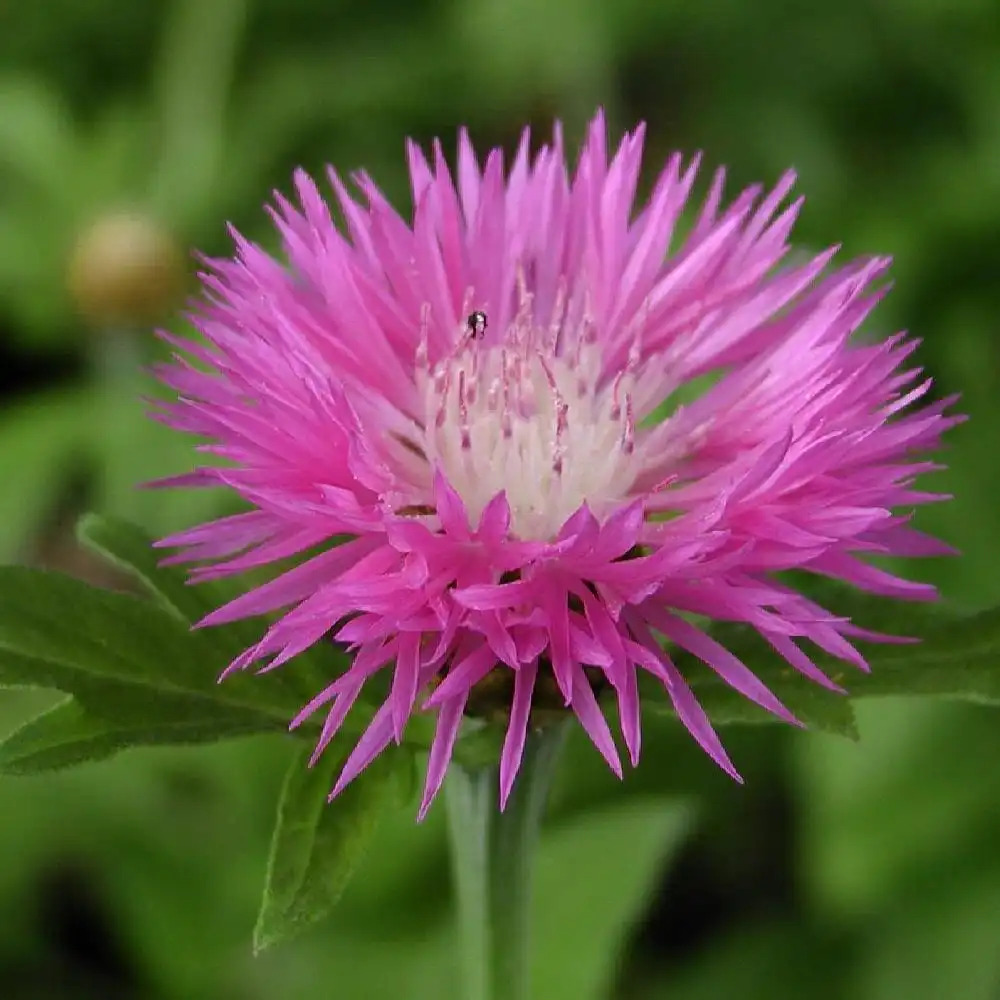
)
(867, 869)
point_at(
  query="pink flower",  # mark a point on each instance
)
(523, 533)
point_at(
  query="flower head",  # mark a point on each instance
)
(484, 399)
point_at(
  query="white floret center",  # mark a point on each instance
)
(540, 423)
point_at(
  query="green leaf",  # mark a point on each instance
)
(816, 707)
(130, 549)
(950, 922)
(880, 817)
(123, 658)
(956, 657)
(317, 845)
(813, 705)
(127, 547)
(613, 856)
(67, 734)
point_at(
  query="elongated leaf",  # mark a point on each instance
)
(127, 547)
(956, 657)
(139, 675)
(595, 876)
(130, 549)
(317, 845)
(123, 658)
(67, 734)
(813, 705)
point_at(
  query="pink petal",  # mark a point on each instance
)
(448, 724)
(375, 739)
(517, 729)
(585, 707)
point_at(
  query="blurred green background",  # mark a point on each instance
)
(867, 870)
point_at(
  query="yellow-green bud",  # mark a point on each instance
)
(125, 271)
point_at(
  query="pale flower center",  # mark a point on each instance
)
(531, 419)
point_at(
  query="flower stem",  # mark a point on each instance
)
(492, 860)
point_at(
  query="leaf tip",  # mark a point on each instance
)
(263, 940)
(86, 526)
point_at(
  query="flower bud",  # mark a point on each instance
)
(125, 270)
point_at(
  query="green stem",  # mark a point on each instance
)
(492, 859)
(194, 77)
(117, 359)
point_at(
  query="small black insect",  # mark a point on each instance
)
(477, 324)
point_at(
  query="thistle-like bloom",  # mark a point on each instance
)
(471, 395)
